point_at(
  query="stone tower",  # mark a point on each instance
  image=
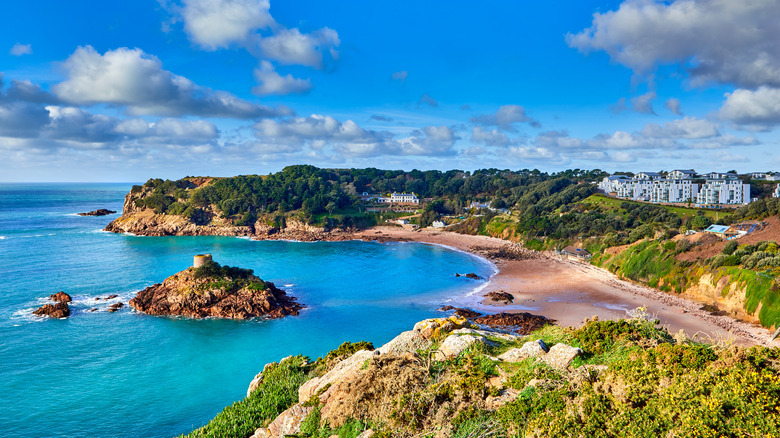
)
(201, 260)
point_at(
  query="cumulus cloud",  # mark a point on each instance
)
(215, 24)
(506, 118)
(133, 79)
(759, 109)
(400, 76)
(687, 127)
(492, 137)
(673, 105)
(22, 119)
(717, 41)
(291, 47)
(349, 139)
(272, 82)
(21, 49)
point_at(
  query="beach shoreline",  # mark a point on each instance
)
(571, 291)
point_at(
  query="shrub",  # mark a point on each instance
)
(730, 247)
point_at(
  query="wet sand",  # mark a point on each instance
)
(571, 291)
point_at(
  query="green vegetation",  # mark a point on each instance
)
(228, 278)
(277, 392)
(634, 379)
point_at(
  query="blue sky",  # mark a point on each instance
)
(125, 91)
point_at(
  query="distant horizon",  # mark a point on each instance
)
(228, 87)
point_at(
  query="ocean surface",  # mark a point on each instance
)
(126, 374)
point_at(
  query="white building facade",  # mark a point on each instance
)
(725, 191)
(679, 188)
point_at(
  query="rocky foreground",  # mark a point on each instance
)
(449, 377)
(215, 291)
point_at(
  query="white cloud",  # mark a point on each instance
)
(505, 118)
(272, 82)
(716, 40)
(291, 47)
(644, 103)
(349, 139)
(759, 109)
(22, 119)
(21, 49)
(489, 137)
(214, 24)
(136, 80)
(687, 127)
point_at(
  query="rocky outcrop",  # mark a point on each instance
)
(58, 310)
(522, 323)
(561, 356)
(98, 212)
(286, 424)
(185, 294)
(61, 297)
(456, 344)
(529, 349)
(147, 223)
(500, 296)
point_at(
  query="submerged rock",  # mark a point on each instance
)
(59, 310)
(61, 297)
(98, 212)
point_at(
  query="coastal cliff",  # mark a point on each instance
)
(215, 291)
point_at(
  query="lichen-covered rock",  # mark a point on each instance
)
(560, 356)
(529, 349)
(456, 344)
(58, 310)
(344, 369)
(489, 332)
(287, 423)
(406, 342)
(431, 328)
(368, 433)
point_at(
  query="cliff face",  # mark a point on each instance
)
(223, 297)
(145, 222)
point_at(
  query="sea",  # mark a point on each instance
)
(127, 374)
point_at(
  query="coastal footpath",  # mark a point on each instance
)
(450, 377)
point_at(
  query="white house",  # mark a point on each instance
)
(404, 198)
(718, 175)
(438, 224)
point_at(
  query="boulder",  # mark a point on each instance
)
(255, 383)
(344, 369)
(560, 356)
(430, 328)
(529, 349)
(501, 296)
(287, 423)
(61, 297)
(407, 342)
(110, 297)
(456, 344)
(501, 334)
(368, 433)
(59, 310)
(473, 276)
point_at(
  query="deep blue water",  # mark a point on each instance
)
(127, 374)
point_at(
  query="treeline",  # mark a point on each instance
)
(313, 190)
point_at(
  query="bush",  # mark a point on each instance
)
(730, 247)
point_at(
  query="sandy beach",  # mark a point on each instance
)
(570, 291)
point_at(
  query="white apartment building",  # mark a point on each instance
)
(674, 191)
(610, 184)
(724, 191)
(635, 189)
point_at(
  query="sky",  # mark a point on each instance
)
(127, 91)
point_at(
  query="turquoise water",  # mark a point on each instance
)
(127, 374)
